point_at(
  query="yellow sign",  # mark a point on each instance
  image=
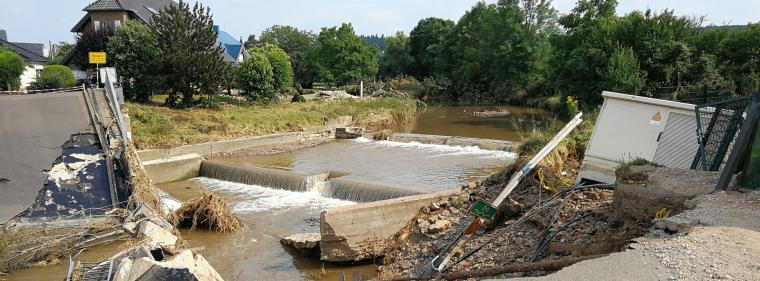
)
(657, 117)
(98, 57)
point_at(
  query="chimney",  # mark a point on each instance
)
(3, 35)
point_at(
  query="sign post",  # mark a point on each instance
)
(97, 58)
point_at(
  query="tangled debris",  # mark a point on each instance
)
(582, 223)
(207, 211)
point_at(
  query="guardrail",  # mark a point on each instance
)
(30, 92)
(113, 102)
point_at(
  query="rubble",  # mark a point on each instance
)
(306, 242)
(348, 133)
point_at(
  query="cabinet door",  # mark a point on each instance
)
(678, 142)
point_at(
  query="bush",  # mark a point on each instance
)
(298, 98)
(256, 78)
(55, 77)
(11, 68)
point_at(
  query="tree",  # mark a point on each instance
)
(624, 74)
(396, 59)
(582, 53)
(135, 53)
(296, 43)
(91, 41)
(256, 78)
(55, 77)
(281, 67)
(340, 57)
(60, 53)
(11, 68)
(425, 44)
(491, 55)
(191, 60)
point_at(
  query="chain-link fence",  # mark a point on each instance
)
(717, 127)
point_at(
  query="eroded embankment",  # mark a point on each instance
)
(540, 231)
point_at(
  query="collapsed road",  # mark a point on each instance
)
(51, 158)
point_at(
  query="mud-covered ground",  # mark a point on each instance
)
(428, 235)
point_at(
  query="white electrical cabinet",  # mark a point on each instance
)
(630, 127)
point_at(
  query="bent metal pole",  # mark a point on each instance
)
(513, 182)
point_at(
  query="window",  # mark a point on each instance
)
(107, 25)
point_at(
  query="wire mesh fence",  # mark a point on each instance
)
(717, 126)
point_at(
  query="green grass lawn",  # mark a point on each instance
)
(161, 127)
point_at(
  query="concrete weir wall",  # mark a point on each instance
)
(173, 168)
(361, 231)
(218, 147)
(487, 144)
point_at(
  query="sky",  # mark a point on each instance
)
(50, 20)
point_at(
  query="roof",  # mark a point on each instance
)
(232, 47)
(30, 52)
(142, 9)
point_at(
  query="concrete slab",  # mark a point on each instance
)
(173, 168)
(32, 130)
(360, 231)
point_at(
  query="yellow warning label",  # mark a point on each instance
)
(657, 117)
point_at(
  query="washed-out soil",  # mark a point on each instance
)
(600, 232)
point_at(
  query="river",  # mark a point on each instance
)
(256, 254)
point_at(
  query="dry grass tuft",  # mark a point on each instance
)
(143, 190)
(208, 211)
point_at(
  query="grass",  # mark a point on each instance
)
(566, 157)
(162, 127)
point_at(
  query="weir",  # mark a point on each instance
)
(262, 176)
(363, 191)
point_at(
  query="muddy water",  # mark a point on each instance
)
(412, 166)
(256, 254)
(57, 271)
(511, 125)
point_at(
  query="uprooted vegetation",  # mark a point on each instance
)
(161, 127)
(535, 225)
(207, 211)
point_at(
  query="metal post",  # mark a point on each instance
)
(740, 146)
(97, 76)
(361, 89)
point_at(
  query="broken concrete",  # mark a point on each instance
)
(348, 133)
(303, 241)
(173, 168)
(157, 236)
(361, 231)
(185, 265)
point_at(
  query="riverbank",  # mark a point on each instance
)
(162, 127)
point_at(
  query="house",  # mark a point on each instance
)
(110, 14)
(33, 55)
(234, 51)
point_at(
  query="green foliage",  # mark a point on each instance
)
(396, 59)
(135, 53)
(281, 67)
(256, 78)
(11, 68)
(191, 61)
(340, 57)
(425, 45)
(91, 41)
(63, 49)
(571, 106)
(623, 73)
(497, 52)
(55, 77)
(296, 43)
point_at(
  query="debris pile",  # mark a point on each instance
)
(208, 211)
(568, 225)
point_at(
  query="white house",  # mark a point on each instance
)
(33, 55)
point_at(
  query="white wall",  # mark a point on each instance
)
(30, 74)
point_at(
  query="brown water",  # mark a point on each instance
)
(256, 254)
(461, 121)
